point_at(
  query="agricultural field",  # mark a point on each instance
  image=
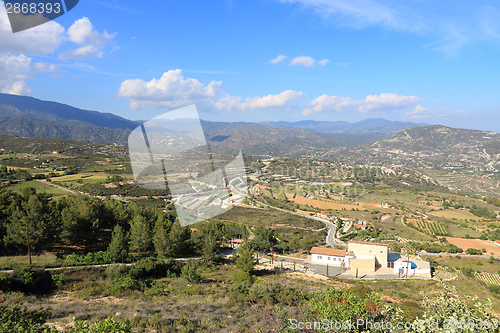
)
(488, 278)
(458, 214)
(428, 227)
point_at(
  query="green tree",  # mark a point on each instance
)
(80, 220)
(179, 241)
(31, 215)
(118, 248)
(139, 234)
(244, 261)
(161, 236)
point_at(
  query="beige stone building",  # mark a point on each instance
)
(368, 257)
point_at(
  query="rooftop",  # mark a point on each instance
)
(367, 243)
(329, 252)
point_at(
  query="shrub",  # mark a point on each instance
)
(19, 319)
(190, 273)
(494, 289)
(115, 271)
(467, 271)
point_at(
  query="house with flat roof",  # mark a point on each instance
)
(330, 256)
(368, 257)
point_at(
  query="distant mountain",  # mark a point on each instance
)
(30, 117)
(436, 147)
(260, 140)
(371, 125)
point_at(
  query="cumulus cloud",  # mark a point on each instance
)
(286, 100)
(92, 42)
(15, 70)
(420, 112)
(308, 61)
(300, 61)
(278, 59)
(43, 39)
(382, 102)
(172, 90)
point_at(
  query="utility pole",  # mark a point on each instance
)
(28, 238)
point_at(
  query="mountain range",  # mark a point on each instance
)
(374, 141)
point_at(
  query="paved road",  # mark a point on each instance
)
(455, 255)
(300, 266)
(332, 229)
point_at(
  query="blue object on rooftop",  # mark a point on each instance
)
(412, 264)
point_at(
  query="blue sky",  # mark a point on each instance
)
(421, 61)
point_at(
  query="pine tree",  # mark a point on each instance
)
(118, 248)
(139, 234)
(160, 236)
(178, 241)
(244, 260)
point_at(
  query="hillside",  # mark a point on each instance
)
(366, 126)
(260, 140)
(30, 117)
(437, 147)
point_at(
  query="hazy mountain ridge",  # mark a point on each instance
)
(30, 117)
(260, 140)
(366, 126)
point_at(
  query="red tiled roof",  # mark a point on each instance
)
(328, 252)
(497, 242)
(236, 240)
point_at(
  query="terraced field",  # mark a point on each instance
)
(488, 278)
(428, 227)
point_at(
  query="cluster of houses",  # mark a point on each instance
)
(367, 257)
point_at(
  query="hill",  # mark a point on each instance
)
(366, 126)
(438, 147)
(260, 140)
(30, 117)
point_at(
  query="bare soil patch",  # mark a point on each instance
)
(475, 244)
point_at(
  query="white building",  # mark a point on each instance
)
(333, 257)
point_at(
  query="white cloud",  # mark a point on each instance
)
(284, 101)
(15, 70)
(308, 61)
(84, 52)
(330, 103)
(92, 42)
(387, 102)
(372, 103)
(323, 62)
(278, 59)
(43, 39)
(419, 112)
(302, 60)
(172, 90)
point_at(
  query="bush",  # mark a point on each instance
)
(494, 289)
(190, 273)
(19, 319)
(473, 251)
(467, 271)
(115, 271)
(27, 279)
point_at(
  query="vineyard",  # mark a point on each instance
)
(428, 227)
(488, 278)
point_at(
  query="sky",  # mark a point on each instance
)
(425, 61)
